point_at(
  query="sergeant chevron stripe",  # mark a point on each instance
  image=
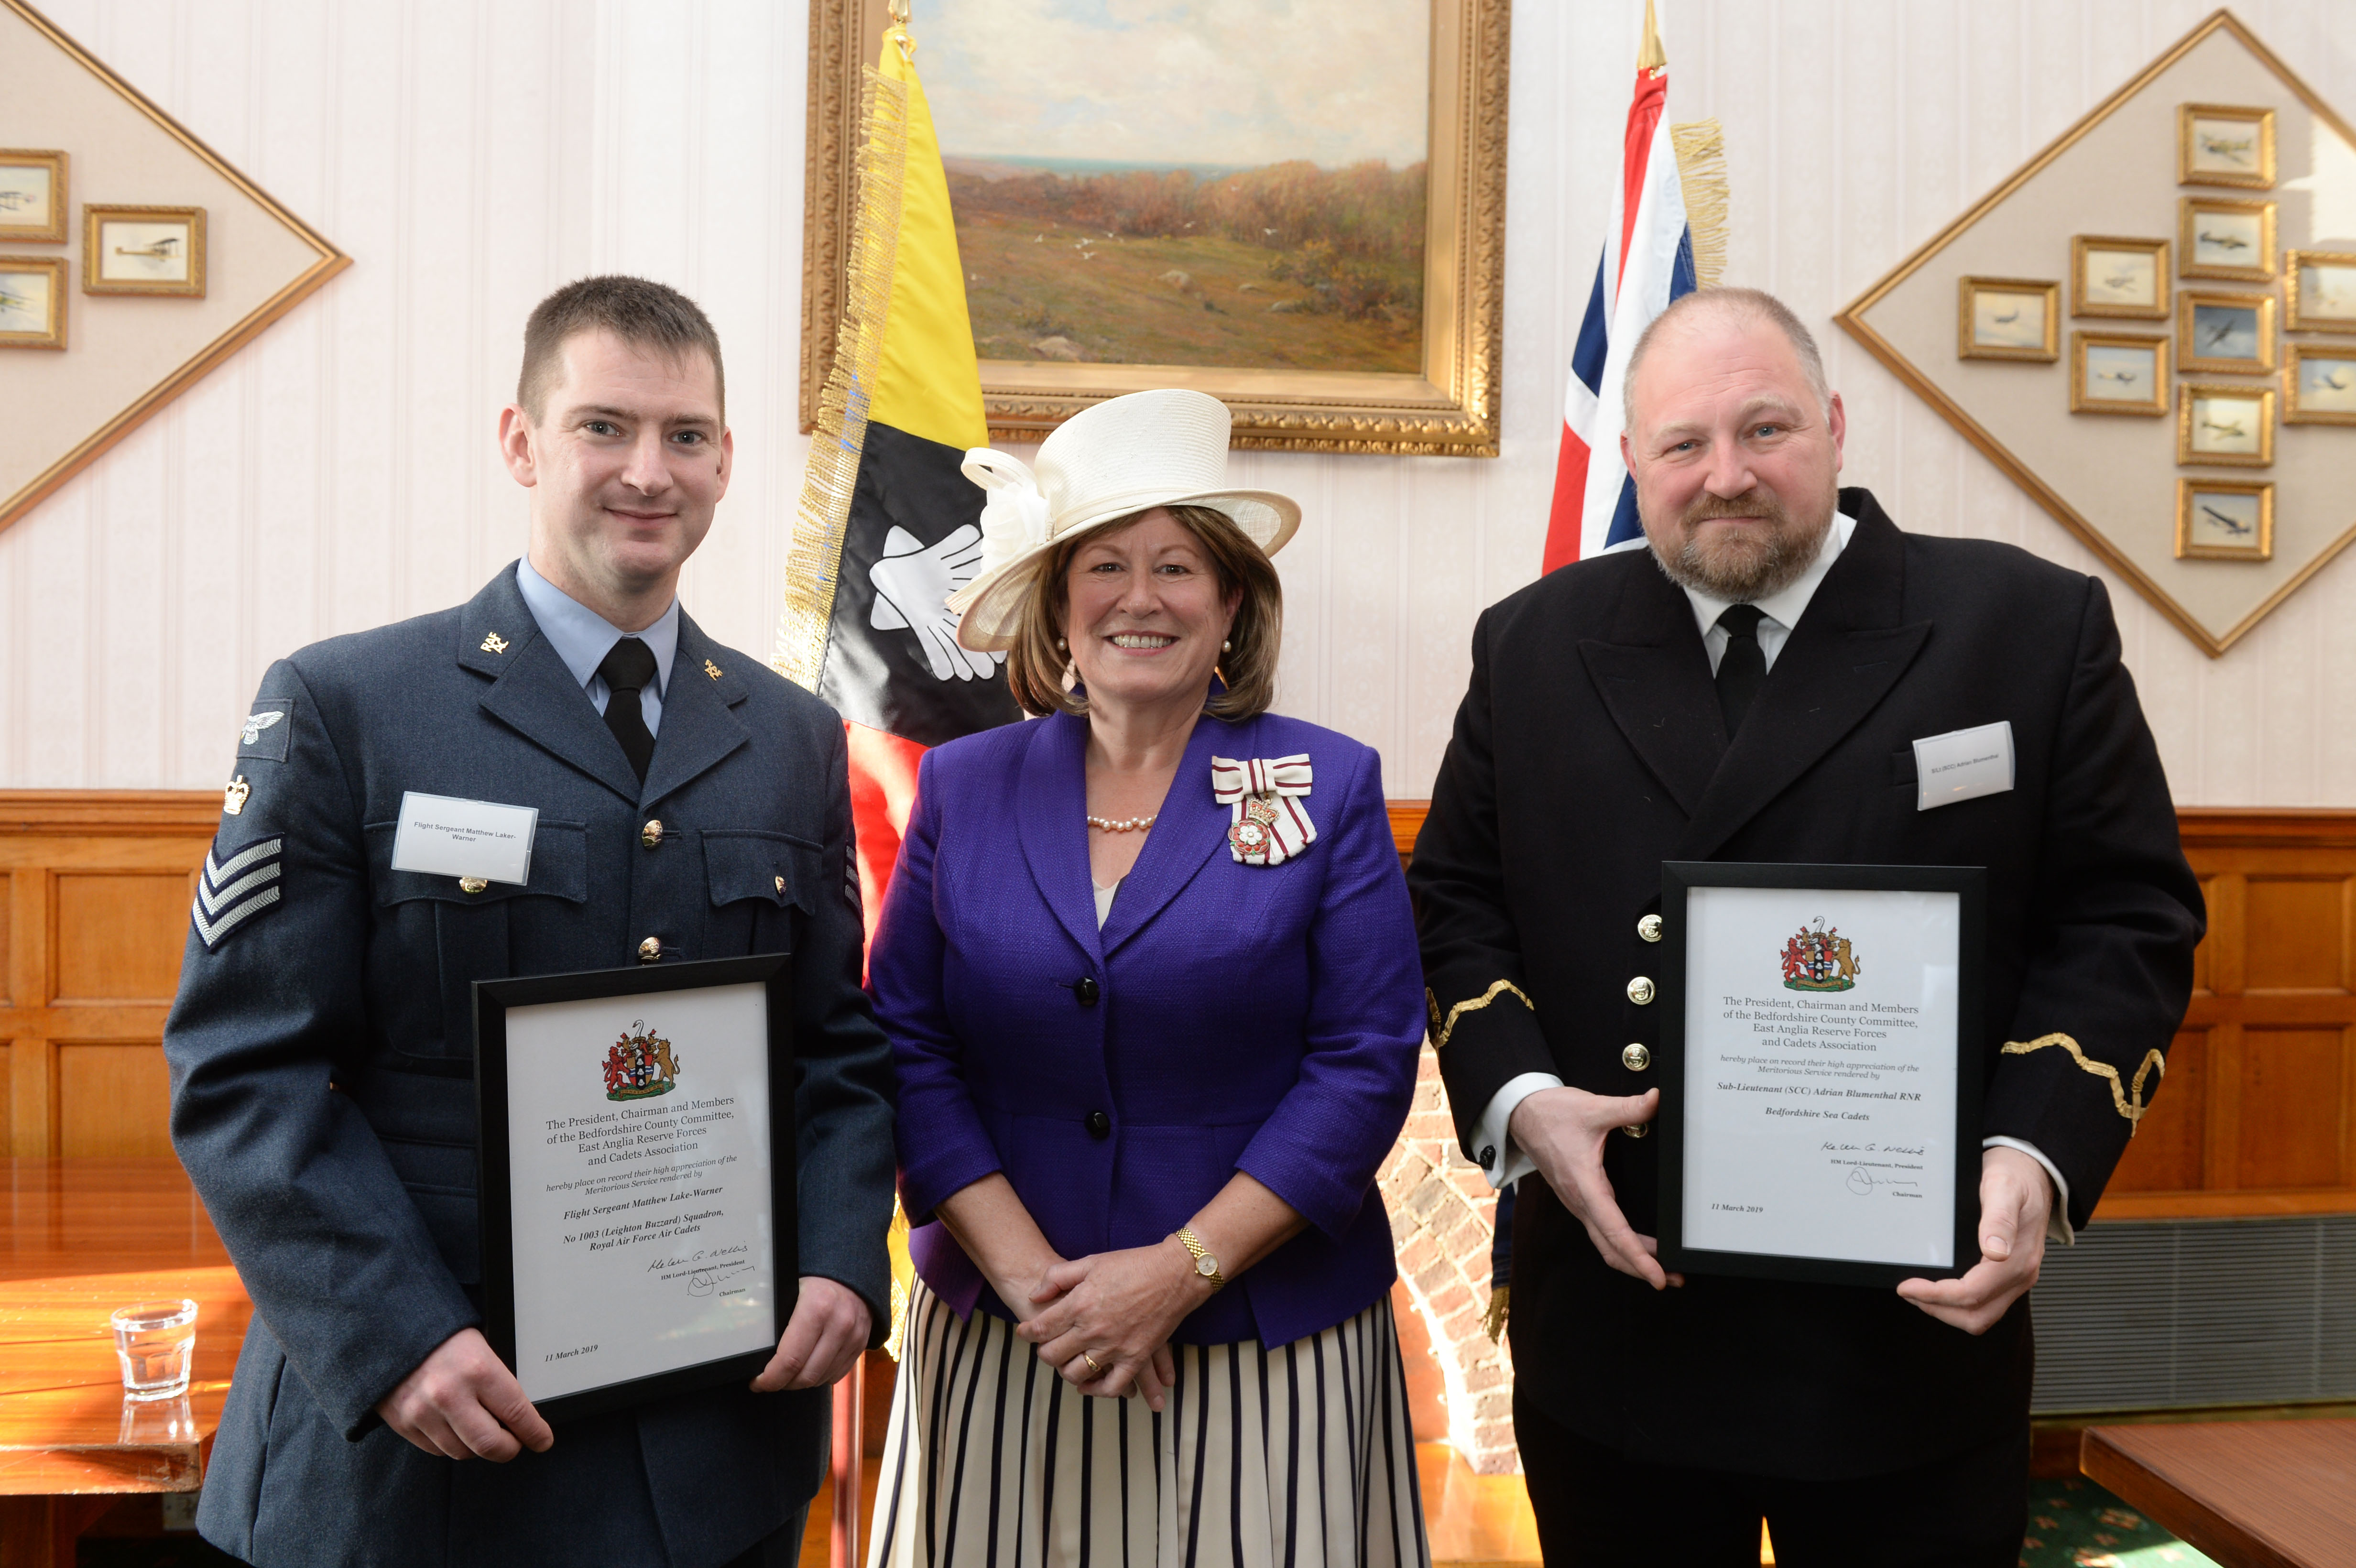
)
(230, 892)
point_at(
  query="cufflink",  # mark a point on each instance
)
(1489, 1157)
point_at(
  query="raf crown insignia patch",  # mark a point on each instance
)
(233, 795)
(233, 892)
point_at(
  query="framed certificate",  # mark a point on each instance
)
(637, 1130)
(1821, 1064)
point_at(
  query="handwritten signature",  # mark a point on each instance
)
(1862, 1181)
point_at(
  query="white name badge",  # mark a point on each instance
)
(444, 837)
(1962, 764)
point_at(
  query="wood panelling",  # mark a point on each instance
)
(2257, 1111)
(92, 925)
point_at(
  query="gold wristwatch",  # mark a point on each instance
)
(1206, 1264)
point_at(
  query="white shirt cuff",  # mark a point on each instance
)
(2057, 1220)
(1493, 1147)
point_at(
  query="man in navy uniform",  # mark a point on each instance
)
(692, 805)
(1750, 687)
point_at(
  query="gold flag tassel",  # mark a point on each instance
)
(1500, 1308)
(1701, 170)
(813, 562)
(903, 1280)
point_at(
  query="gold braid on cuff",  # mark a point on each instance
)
(1442, 1029)
(2132, 1109)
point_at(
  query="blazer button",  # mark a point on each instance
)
(650, 950)
(1099, 1125)
(1636, 1058)
(651, 834)
(1649, 928)
(1640, 990)
(1086, 990)
(1637, 1129)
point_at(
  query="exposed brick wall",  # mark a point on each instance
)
(1442, 1217)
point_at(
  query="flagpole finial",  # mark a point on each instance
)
(1650, 55)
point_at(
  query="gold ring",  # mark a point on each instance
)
(1093, 1369)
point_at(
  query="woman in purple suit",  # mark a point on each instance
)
(1150, 979)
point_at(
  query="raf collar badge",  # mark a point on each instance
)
(1270, 823)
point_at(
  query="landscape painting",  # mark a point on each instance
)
(1215, 183)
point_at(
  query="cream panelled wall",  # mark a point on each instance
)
(472, 153)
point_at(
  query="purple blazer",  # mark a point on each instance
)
(1263, 1019)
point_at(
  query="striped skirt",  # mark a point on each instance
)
(1299, 1456)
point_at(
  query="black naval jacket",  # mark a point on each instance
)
(323, 1095)
(1589, 748)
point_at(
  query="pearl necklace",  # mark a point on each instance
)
(1125, 825)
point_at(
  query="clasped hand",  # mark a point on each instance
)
(1117, 1310)
(1562, 1131)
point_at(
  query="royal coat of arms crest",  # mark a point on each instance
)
(1816, 959)
(639, 1065)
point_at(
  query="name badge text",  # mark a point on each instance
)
(444, 837)
(1962, 764)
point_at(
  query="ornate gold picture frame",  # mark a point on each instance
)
(2220, 237)
(2320, 384)
(2221, 425)
(2319, 287)
(2009, 318)
(2219, 333)
(34, 197)
(32, 302)
(2222, 143)
(2224, 519)
(2124, 279)
(2118, 373)
(142, 250)
(1449, 408)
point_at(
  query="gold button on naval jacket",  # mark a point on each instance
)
(1640, 990)
(1636, 1058)
(650, 950)
(651, 834)
(1637, 1129)
(472, 884)
(1649, 928)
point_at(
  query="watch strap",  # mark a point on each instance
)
(1194, 1246)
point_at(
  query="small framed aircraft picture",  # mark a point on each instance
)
(2322, 289)
(2224, 519)
(2009, 318)
(2224, 333)
(2224, 238)
(2220, 144)
(33, 197)
(2120, 278)
(2117, 373)
(2320, 384)
(2230, 425)
(142, 250)
(32, 302)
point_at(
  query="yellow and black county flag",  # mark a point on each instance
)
(887, 528)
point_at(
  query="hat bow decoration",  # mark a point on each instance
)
(1013, 511)
(1270, 826)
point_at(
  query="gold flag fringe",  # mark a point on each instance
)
(1701, 170)
(813, 562)
(1500, 1308)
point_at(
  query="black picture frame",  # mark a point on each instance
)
(1678, 879)
(492, 1001)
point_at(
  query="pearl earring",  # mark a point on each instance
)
(1225, 647)
(1060, 648)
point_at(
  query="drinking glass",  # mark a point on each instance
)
(156, 1340)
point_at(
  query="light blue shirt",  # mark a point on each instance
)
(582, 638)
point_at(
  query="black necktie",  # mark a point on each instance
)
(1742, 669)
(627, 669)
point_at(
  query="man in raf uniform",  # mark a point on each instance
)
(692, 805)
(1751, 689)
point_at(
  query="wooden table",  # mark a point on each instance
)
(80, 1237)
(2250, 1494)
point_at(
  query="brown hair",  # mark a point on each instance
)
(1035, 666)
(635, 310)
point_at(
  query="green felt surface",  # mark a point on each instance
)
(2077, 1523)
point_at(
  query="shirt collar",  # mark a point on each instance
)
(582, 637)
(1786, 606)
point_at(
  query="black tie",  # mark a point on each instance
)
(626, 669)
(1742, 669)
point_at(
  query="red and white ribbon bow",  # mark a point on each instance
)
(1271, 824)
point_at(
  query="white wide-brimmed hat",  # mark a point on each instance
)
(1121, 457)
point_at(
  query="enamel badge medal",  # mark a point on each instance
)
(1271, 821)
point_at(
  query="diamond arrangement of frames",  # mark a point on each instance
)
(2194, 290)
